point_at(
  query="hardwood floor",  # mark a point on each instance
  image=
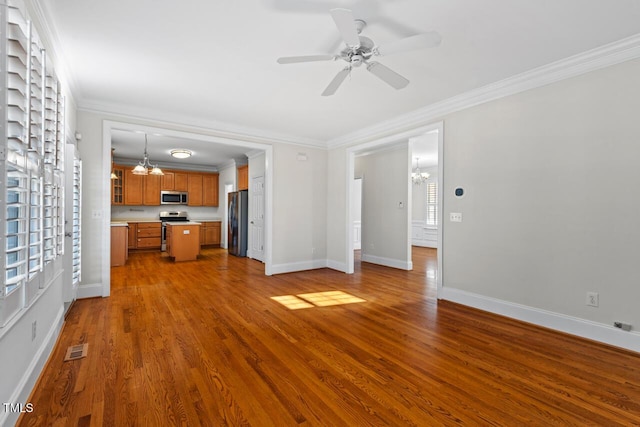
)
(203, 343)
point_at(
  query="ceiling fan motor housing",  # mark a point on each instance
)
(359, 55)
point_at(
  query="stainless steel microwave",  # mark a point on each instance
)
(174, 197)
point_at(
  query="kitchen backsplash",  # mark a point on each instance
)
(151, 212)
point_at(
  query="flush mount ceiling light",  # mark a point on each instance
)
(143, 167)
(181, 154)
(417, 176)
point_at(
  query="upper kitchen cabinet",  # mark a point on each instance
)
(117, 186)
(243, 177)
(133, 188)
(167, 181)
(151, 194)
(210, 189)
(195, 189)
(175, 181)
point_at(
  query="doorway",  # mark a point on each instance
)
(405, 232)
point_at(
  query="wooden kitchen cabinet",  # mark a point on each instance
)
(167, 181)
(149, 235)
(195, 189)
(210, 233)
(133, 188)
(183, 241)
(243, 177)
(174, 181)
(151, 194)
(210, 189)
(133, 235)
(119, 249)
(181, 181)
(117, 186)
(145, 235)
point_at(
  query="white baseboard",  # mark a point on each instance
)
(387, 262)
(548, 319)
(90, 291)
(335, 265)
(298, 266)
(30, 376)
(425, 243)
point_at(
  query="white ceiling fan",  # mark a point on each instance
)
(359, 50)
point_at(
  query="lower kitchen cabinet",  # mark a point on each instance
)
(210, 233)
(145, 235)
(119, 249)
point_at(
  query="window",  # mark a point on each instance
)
(432, 204)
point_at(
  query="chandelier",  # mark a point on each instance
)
(143, 167)
(417, 176)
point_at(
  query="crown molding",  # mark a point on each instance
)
(610, 54)
(211, 127)
(39, 11)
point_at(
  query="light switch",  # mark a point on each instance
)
(455, 216)
(400, 205)
(96, 214)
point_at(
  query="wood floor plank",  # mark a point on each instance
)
(202, 343)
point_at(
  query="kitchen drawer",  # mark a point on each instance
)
(149, 232)
(148, 242)
(149, 225)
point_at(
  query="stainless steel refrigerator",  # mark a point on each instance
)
(238, 223)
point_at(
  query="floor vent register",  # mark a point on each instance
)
(76, 352)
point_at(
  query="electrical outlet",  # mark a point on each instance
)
(592, 299)
(33, 329)
(455, 217)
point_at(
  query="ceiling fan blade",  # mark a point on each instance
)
(307, 58)
(419, 41)
(387, 75)
(336, 82)
(347, 26)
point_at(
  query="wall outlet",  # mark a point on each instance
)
(33, 329)
(592, 299)
(455, 216)
(623, 326)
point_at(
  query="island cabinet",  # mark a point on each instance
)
(183, 241)
(210, 233)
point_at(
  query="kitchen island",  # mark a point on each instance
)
(183, 240)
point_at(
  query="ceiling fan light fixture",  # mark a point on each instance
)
(181, 154)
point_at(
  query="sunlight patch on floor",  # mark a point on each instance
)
(316, 299)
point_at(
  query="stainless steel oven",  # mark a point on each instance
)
(170, 216)
(174, 197)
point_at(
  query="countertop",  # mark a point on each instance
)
(206, 219)
(119, 224)
(134, 220)
(182, 223)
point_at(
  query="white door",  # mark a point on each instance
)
(256, 218)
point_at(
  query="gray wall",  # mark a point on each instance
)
(551, 207)
(384, 225)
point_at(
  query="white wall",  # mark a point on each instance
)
(385, 183)
(549, 212)
(299, 208)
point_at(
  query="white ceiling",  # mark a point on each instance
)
(215, 61)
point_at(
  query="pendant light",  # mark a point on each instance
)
(143, 167)
(417, 176)
(113, 174)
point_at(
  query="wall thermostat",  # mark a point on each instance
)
(459, 192)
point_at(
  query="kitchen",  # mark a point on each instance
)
(181, 204)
